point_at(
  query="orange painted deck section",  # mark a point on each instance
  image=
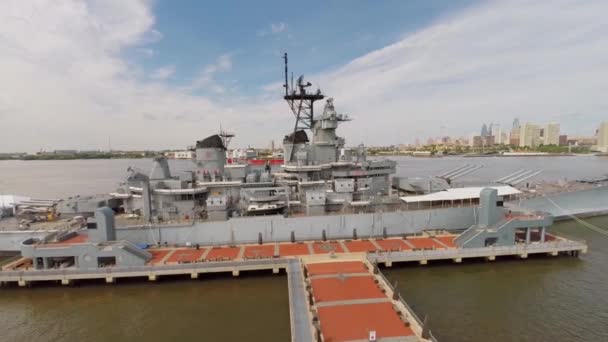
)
(292, 249)
(223, 253)
(333, 289)
(343, 267)
(393, 245)
(327, 247)
(357, 246)
(447, 240)
(354, 322)
(186, 255)
(158, 255)
(424, 242)
(259, 251)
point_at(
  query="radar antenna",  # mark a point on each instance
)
(300, 102)
(226, 137)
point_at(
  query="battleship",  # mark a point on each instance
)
(328, 216)
(323, 190)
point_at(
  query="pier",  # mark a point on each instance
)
(330, 282)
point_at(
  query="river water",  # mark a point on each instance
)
(539, 299)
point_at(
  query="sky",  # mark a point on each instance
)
(162, 74)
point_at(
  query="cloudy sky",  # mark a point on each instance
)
(162, 74)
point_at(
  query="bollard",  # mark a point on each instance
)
(355, 234)
(324, 236)
(293, 236)
(384, 234)
(259, 238)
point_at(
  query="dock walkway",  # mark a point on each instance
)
(333, 285)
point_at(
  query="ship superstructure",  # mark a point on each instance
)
(319, 176)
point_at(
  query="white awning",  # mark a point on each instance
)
(9, 201)
(457, 194)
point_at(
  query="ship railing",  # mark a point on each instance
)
(567, 237)
(409, 308)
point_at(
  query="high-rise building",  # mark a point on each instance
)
(551, 134)
(516, 124)
(602, 137)
(504, 138)
(498, 134)
(529, 135)
(514, 138)
(484, 130)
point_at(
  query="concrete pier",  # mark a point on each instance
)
(227, 262)
(292, 256)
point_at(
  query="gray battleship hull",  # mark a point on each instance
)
(278, 228)
(583, 203)
(591, 202)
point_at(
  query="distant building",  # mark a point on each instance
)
(240, 154)
(504, 139)
(529, 135)
(479, 141)
(515, 124)
(602, 137)
(514, 137)
(180, 154)
(551, 134)
(484, 130)
(582, 141)
(500, 137)
(563, 140)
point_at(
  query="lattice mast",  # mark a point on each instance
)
(301, 102)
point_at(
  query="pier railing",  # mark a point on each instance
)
(151, 269)
(436, 254)
(411, 311)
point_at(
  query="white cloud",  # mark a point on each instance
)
(535, 60)
(65, 83)
(278, 27)
(163, 72)
(275, 28)
(206, 78)
(68, 86)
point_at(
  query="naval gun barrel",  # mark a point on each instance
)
(517, 181)
(466, 171)
(447, 174)
(510, 175)
(521, 174)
